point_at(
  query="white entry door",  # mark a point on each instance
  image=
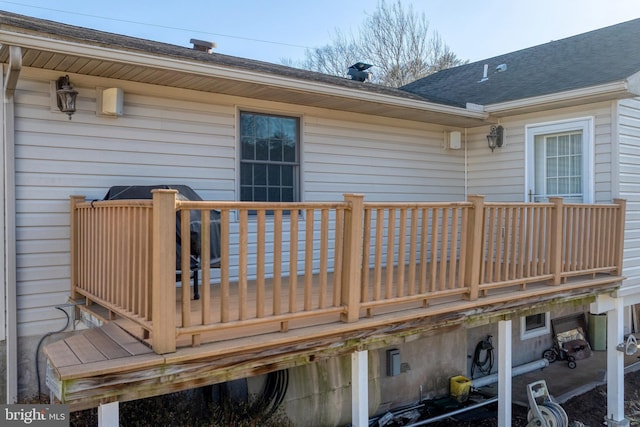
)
(559, 161)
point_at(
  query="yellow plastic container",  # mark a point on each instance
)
(459, 387)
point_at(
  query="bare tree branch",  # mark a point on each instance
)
(397, 41)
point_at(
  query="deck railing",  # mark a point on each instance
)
(320, 262)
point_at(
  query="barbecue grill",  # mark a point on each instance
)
(125, 192)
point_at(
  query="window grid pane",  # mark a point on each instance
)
(564, 164)
(269, 158)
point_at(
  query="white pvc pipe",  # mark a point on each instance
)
(515, 371)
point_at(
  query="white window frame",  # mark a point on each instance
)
(582, 124)
(538, 332)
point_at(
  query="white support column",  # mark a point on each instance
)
(504, 373)
(359, 389)
(109, 414)
(615, 365)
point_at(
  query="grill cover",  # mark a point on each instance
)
(124, 192)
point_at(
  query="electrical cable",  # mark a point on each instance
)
(166, 27)
(274, 391)
(42, 340)
(484, 365)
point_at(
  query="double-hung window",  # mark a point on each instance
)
(269, 158)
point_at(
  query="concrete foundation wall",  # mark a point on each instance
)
(319, 394)
(428, 363)
(27, 375)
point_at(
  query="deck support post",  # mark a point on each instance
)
(109, 414)
(615, 365)
(557, 225)
(359, 389)
(163, 304)
(352, 257)
(504, 373)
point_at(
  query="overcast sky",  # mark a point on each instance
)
(270, 30)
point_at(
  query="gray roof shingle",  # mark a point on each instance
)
(89, 36)
(598, 57)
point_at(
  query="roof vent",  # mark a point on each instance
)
(358, 72)
(500, 68)
(202, 45)
(485, 77)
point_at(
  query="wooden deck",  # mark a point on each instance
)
(107, 363)
(299, 282)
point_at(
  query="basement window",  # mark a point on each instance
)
(535, 325)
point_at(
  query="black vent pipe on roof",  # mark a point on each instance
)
(202, 45)
(358, 72)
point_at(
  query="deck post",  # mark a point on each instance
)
(359, 389)
(557, 225)
(74, 243)
(352, 257)
(473, 251)
(504, 373)
(109, 414)
(619, 239)
(163, 304)
(615, 365)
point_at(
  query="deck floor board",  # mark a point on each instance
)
(105, 345)
(84, 349)
(60, 355)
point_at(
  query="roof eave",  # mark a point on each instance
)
(205, 69)
(627, 88)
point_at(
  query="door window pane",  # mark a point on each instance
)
(558, 166)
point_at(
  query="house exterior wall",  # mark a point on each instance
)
(178, 137)
(510, 162)
(628, 176)
(426, 366)
(616, 155)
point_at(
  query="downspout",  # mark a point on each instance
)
(9, 221)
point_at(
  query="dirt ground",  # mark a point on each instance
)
(586, 410)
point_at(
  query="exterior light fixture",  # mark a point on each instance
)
(495, 137)
(66, 96)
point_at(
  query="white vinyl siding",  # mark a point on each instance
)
(500, 175)
(167, 139)
(629, 185)
(383, 162)
(158, 141)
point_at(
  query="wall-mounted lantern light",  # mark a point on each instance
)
(66, 96)
(495, 137)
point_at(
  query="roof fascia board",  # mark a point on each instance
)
(618, 89)
(212, 70)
